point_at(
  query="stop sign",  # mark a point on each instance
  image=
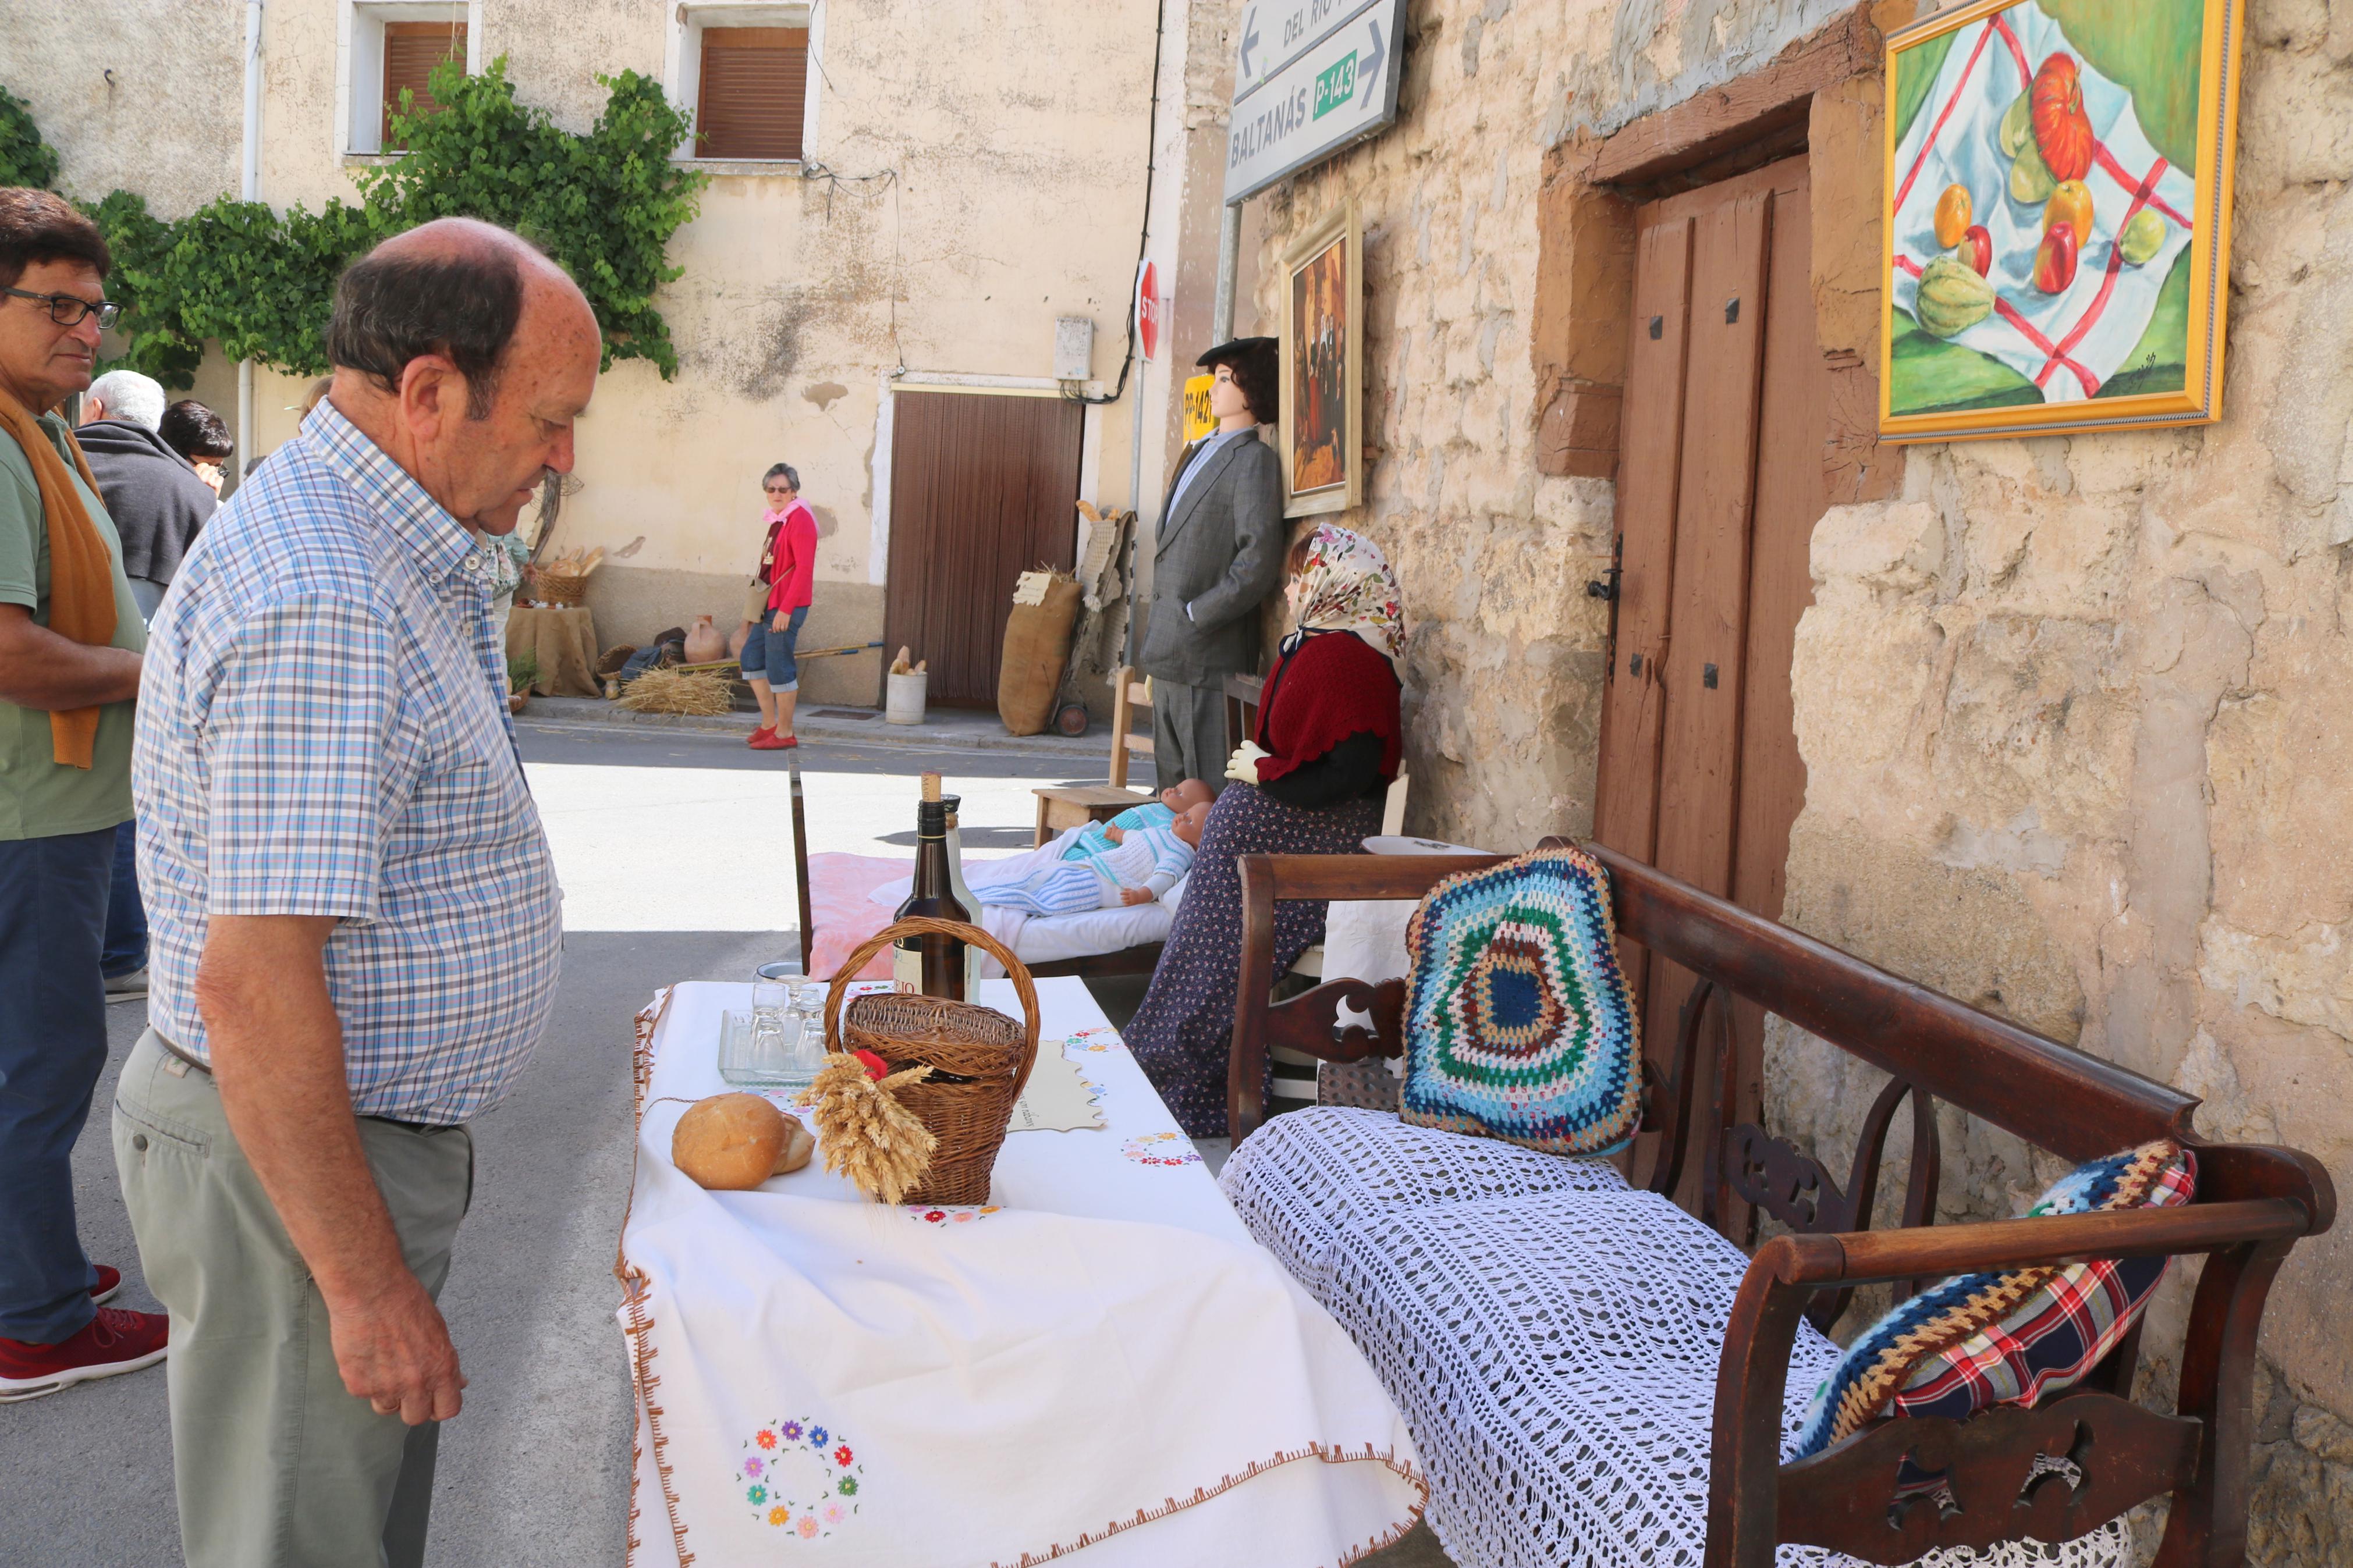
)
(1149, 307)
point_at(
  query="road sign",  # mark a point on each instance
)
(1310, 78)
(1199, 422)
(1149, 308)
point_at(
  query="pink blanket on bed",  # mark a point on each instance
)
(843, 914)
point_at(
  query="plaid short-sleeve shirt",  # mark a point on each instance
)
(322, 731)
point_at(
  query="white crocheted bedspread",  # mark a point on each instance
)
(1550, 1334)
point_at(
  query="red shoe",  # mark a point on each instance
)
(114, 1342)
(759, 735)
(769, 741)
(110, 1281)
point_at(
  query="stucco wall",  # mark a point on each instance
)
(145, 98)
(992, 167)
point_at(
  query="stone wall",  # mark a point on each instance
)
(2074, 716)
(2071, 708)
(1494, 547)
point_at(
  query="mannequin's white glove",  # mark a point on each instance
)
(1242, 766)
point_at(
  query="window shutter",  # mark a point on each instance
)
(754, 82)
(411, 51)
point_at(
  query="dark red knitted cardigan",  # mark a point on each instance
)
(1332, 687)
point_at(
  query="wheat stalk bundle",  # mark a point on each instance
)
(661, 690)
(881, 1145)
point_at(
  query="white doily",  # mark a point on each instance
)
(1554, 1350)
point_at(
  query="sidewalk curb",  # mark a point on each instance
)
(595, 714)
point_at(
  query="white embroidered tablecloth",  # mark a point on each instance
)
(1099, 1362)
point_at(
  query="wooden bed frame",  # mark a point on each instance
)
(2253, 1203)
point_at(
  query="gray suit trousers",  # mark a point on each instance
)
(1188, 733)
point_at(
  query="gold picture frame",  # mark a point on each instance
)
(1321, 438)
(2056, 217)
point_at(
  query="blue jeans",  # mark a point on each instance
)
(53, 896)
(125, 951)
(768, 653)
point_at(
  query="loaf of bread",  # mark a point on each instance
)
(732, 1142)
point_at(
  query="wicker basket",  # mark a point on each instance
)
(988, 1052)
(549, 586)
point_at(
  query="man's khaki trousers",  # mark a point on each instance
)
(274, 1461)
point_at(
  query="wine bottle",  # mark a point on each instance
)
(956, 885)
(935, 965)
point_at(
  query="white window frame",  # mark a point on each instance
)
(682, 71)
(359, 63)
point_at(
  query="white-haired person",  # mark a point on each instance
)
(779, 600)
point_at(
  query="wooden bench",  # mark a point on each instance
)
(1370, 1205)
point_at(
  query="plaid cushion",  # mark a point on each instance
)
(1977, 1341)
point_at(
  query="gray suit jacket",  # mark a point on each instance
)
(1219, 554)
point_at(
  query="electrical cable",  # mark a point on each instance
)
(1144, 230)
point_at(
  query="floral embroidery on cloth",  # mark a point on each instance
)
(1094, 1040)
(799, 1478)
(946, 1215)
(1345, 585)
(1162, 1149)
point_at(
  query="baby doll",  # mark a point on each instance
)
(1144, 864)
(1099, 838)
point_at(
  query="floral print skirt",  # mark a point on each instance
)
(1182, 1034)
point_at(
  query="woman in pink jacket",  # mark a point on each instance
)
(788, 566)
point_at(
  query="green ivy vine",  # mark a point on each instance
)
(603, 204)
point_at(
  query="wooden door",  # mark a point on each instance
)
(983, 489)
(1720, 484)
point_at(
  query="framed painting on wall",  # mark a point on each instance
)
(1323, 438)
(2058, 216)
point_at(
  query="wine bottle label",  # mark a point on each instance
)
(906, 967)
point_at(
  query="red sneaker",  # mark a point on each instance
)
(769, 741)
(759, 735)
(110, 1282)
(114, 1342)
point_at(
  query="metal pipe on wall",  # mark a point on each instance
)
(1229, 261)
(248, 189)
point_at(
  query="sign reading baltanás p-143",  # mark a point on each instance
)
(1310, 78)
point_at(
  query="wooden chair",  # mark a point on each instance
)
(1068, 805)
(2252, 1204)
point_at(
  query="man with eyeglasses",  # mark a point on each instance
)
(70, 642)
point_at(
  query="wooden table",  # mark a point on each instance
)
(1077, 804)
(1100, 1359)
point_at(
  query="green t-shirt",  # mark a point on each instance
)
(39, 796)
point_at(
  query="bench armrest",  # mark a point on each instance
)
(2248, 1238)
(1867, 1257)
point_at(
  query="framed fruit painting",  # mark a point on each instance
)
(2058, 216)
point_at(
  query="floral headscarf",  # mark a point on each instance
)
(1345, 585)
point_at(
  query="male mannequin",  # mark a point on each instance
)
(1219, 556)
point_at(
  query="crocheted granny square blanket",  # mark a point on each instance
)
(1518, 1025)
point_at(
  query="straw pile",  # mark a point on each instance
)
(661, 690)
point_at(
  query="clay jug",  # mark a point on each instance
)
(705, 644)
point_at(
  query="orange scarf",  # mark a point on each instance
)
(81, 572)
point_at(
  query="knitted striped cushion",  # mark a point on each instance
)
(1980, 1339)
(1518, 1026)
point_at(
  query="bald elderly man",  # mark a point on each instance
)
(354, 917)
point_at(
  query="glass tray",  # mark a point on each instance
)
(734, 1040)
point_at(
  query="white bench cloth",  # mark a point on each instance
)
(1104, 1365)
(1306, 1176)
(1551, 1337)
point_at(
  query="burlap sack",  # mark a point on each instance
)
(1036, 646)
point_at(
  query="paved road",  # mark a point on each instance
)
(674, 853)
